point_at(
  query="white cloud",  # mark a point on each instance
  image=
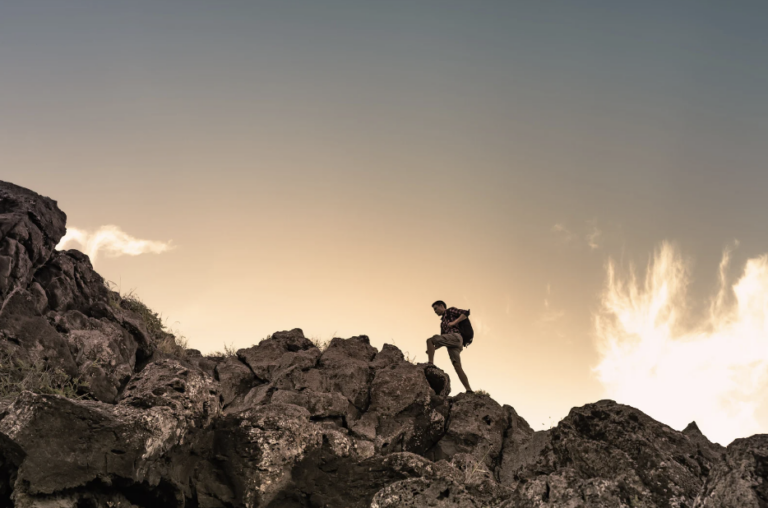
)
(112, 241)
(715, 373)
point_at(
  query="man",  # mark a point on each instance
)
(450, 337)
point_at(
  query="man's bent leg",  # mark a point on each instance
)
(462, 375)
(430, 351)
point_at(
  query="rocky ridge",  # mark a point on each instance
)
(100, 408)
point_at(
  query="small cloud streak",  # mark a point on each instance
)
(550, 315)
(715, 373)
(561, 230)
(111, 240)
(569, 237)
(592, 237)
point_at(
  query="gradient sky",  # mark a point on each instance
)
(339, 165)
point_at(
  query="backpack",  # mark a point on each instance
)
(467, 333)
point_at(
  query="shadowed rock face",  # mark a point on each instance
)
(30, 228)
(741, 478)
(283, 424)
(607, 452)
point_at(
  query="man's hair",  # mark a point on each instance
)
(440, 302)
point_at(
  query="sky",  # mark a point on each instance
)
(588, 178)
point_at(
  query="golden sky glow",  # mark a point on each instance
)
(338, 166)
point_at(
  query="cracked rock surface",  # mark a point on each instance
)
(285, 424)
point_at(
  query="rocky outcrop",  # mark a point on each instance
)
(30, 228)
(741, 478)
(611, 454)
(98, 410)
(68, 448)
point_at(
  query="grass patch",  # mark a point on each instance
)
(229, 350)
(412, 359)
(168, 341)
(173, 344)
(477, 468)
(18, 374)
(320, 344)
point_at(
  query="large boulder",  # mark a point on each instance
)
(405, 412)
(323, 382)
(104, 352)
(476, 426)
(31, 337)
(30, 228)
(517, 437)
(235, 379)
(740, 480)
(273, 355)
(609, 454)
(259, 448)
(345, 368)
(63, 448)
(70, 282)
(461, 483)
(192, 394)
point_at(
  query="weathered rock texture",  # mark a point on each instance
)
(97, 411)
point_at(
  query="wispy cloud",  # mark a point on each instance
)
(112, 241)
(715, 372)
(550, 315)
(591, 238)
(563, 232)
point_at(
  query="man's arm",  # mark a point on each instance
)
(462, 317)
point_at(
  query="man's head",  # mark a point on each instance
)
(439, 307)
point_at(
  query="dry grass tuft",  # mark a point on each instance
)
(18, 374)
(229, 350)
(168, 341)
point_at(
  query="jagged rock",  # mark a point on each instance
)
(345, 368)
(269, 357)
(136, 327)
(388, 356)
(104, 352)
(517, 436)
(477, 424)
(30, 228)
(260, 446)
(293, 368)
(191, 393)
(438, 380)
(70, 282)
(462, 483)
(708, 452)
(740, 480)
(289, 362)
(609, 453)
(126, 319)
(72, 445)
(235, 379)
(22, 325)
(319, 404)
(39, 297)
(328, 478)
(405, 413)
